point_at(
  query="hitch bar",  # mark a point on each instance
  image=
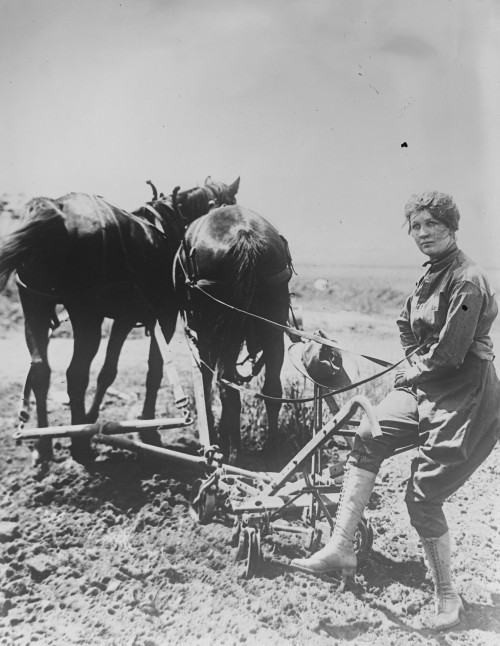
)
(105, 428)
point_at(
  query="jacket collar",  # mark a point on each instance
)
(443, 261)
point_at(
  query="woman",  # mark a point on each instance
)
(446, 402)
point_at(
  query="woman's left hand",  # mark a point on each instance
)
(400, 378)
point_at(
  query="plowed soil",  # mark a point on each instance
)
(111, 556)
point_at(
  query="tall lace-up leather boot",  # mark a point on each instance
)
(338, 554)
(449, 605)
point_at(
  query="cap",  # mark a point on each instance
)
(321, 364)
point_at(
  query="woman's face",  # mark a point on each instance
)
(432, 237)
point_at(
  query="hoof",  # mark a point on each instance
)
(82, 452)
(40, 468)
(41, 456)
(85, 459)
(153, 438)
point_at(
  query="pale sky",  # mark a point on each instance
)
(308, 101)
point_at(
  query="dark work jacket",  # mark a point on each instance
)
(451, 310)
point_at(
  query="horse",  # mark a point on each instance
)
(98, 261)
(232, 261)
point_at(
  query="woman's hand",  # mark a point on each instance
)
(400, 378)
(405, 377)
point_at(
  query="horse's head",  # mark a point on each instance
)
(222, 194)
(195, 202)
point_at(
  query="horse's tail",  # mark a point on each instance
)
(232, 326)
(39, 235)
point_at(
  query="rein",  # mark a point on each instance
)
(193, 284)
(303, 400)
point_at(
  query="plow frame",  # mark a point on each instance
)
(295, 499)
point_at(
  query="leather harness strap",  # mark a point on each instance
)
(157, 217)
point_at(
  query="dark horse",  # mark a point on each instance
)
(235, 256)
(99, 261)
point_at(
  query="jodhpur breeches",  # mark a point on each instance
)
(453, 422)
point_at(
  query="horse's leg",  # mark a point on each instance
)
(153, 382)
(87, 336)
(208, 379)
(155, 373)
(274, 352)
(153, 379)
(38, 313)
(119, 332)
(229, 425)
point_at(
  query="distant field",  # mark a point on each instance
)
(376, 291)
(359, 308)
(369, 290)
(389, 283)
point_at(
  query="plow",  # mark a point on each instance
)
(301, 498)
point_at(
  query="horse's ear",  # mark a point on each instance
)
(233, 189)
(208, 180)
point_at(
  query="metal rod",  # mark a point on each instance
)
(328, 430)
(134, 445)
(106, 428)
(199, 395)
(290, 528)
(256, 475)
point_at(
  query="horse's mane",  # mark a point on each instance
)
(197, 200)
(193, 202)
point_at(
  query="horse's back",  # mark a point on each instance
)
(218, 235)
(86, 214)
(98, 248)
(227, 222)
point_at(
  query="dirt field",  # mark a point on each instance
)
(111, 556)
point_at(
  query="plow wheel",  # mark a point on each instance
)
(202, 501)
(249, 550)
(363, 538)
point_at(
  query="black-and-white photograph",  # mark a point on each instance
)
(249, 332)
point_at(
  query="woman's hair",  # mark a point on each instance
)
(440, 205)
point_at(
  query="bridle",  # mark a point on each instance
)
(215, 199)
